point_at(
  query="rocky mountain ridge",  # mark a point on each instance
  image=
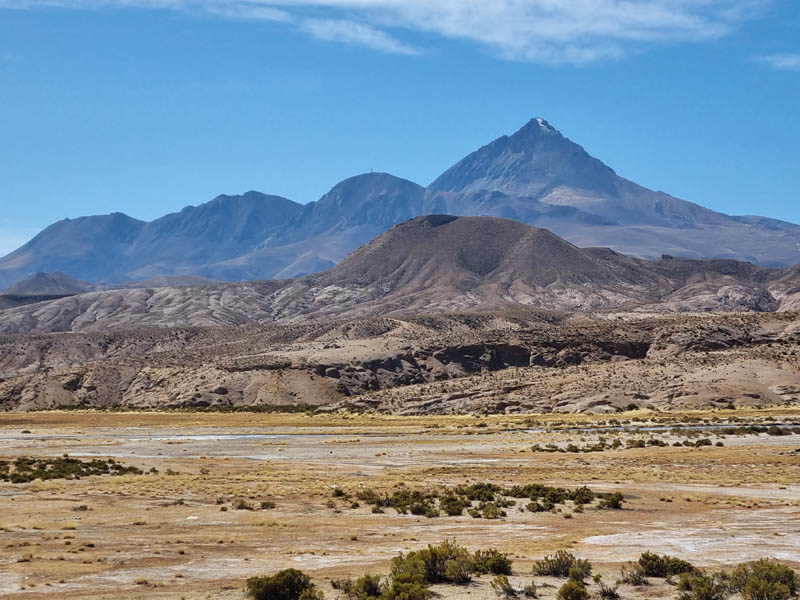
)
(536, 176)
(434, 264)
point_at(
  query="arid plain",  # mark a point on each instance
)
(197, 527)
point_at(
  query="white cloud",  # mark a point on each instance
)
(780, 62)
(350, 32)
(549, 31)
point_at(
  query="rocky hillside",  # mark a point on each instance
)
(435, 264)
(499, 362)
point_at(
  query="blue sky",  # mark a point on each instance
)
(146, 106)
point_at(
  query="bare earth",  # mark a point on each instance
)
(715, 506)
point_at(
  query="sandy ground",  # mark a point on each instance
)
(165, 536)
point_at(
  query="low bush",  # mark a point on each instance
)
(633, 574)
(764, 580)
(654, 565)
(26, 469)
(560, 564)
(611, 501)
(700, 586)
(445, 563)
(608, 592)
(529, 591)
(289, 584)
(503, 588)
(491, 561)
(367, 587)
(403, 587)
(573, 590)
(580, 570)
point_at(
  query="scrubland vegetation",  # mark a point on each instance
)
(26, 469)
(411, 576)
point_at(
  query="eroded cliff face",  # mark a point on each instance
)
(496, 362)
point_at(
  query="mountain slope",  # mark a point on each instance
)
(435, 264)
(536, 176)
(530, 174)
(199, 236)
(86, 248)
(116, 248)
(48, 284)
(323, 232)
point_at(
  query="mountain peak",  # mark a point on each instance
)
(537, 126)
(531, 163)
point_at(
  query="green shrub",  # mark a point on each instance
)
(608, 592)
(453, 505)
(25, 469)
(503, 588)
(633, 574)
(559, 565)
(699, 586)
(445, 563)
(573, 590)
(289, 584)
(491, 561)
(580, 570)
(611, 501)
(490, 511)
(529, 591)
(582, 495)
(654, 565)
(366, 587)
(406, 587)
(764, 580)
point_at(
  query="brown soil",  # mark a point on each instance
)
(715, 506)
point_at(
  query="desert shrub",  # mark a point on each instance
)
(26, 469)
(491, 561)
(267, 505)
(529, 591)
(573, 590)
(559, 565)
(611, 501)
(608, 592)
(491, 511)
(654, 565)
(405, 587)
(633, 574)
(580, 570)
(366, 587)
(453, 505)
(445, 563)
(289, 584)
(503, 588)
(582, 495)
(775, 430)
(764, 580)
(242, 504)
(482, 492)
(699, 586)
(534, 507)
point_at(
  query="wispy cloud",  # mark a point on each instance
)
(548, 31)
(780, 62)
(350, 32)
